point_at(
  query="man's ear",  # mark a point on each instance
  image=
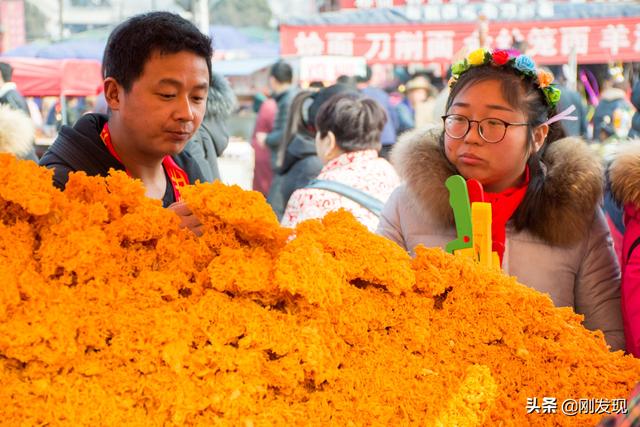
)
(539, 136)
(113, 92)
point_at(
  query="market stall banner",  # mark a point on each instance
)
(51, 77)
(549, 42)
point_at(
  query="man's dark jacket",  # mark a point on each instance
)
(80, 148)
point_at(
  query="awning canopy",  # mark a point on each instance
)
(242, 67)
(77, 49)
(49, 77)
(228, 41)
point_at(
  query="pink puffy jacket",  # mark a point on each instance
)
(631, 279)
(625, 184)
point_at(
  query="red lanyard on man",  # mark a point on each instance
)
(178, 177)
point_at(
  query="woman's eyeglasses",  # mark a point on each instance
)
(491, 130)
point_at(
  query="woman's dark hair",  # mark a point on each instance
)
(523, 94)
(132, 43)
(356, 121)
(296, 124)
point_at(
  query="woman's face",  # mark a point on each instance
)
(497, 166)
(417, 96)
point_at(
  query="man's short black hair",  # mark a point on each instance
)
(282, 72)
(132, 43)
(6, 70)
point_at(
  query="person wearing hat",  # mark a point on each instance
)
(416, 110)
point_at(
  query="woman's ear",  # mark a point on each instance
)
(332, 141)
(112, 93)
(539, 136)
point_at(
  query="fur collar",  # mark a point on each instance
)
(221, 100)
(561, 209)
(624, 173)
(16, 131)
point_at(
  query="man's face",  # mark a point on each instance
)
(165, 105)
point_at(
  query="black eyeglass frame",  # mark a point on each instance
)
(469, 121)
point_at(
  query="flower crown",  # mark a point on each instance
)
(523, 64)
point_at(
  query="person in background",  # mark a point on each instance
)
(9, 94)
(567, 98)
(263, 171)
(10, 97)
(389, 132)
(280, 82)
(17, 133)
(612, 116)
(624, 174)
(296, 159)
(416, 110)
(157, 73)
(634, 132)
(440, 101)
(348, 81)
(298, 162)
(212, 137)
(347, 142)
(502, 129)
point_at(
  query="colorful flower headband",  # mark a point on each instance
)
(523, 64)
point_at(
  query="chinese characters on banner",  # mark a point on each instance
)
(12, 20)
(549, 42)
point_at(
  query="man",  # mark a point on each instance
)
(156, 70)
(9, 94)
(280, 82)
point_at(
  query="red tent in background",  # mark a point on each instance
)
(56, 77)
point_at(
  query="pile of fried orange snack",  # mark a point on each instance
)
(110, 314)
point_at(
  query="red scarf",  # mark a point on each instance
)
(178, 177)
(503, 206)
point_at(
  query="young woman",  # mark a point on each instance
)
(347, 142)
(501, 129)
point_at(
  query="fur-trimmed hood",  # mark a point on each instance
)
(563, 205)
(221, 100)
(624, 173)
(16, 131)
